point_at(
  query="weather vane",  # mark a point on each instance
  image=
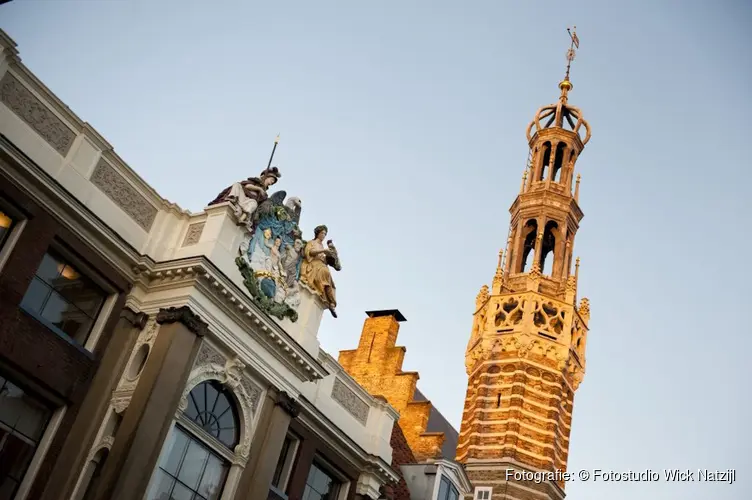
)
(571, 52)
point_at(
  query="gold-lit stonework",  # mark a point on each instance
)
(526, 354)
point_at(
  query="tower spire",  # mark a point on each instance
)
(526, 354)
(566, 85)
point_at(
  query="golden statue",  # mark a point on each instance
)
(314, 270)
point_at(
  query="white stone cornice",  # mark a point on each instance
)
(69, 212)
(326, 431)
(201, 274)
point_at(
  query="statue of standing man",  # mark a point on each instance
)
(248, 194)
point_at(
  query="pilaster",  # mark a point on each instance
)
(146, 421)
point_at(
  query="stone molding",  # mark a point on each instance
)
(287, 403)
(350, 401)
(196, 271)
(123, 194)
(211, 365)
(36, 114)
(185, 316)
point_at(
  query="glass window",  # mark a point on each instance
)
(188, 470)
(284, 464)
(320, 485)
(63, 299)
(22, 423)
(6, 224)
(211, 407)
(483, 493)
(447, 491)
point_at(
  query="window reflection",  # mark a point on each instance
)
(188, 470)
(63, 299)
(6, 224)
(320, 485)
(22, 423)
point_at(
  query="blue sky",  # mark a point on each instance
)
(403, 130)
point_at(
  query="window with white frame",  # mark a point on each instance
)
(23, 420)
(483, 493)
(447, 491)
(62, 298)
(197, 455)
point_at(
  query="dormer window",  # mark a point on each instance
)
(447, 491)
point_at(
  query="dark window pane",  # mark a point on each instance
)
(214, 478)
(162, 487)
(193, 465)
(68, 301)
(50, 268)
(85, 295)
(67, 317)
(5, 225)
(36, 296)
(443, 489)
(7, 488)
(33, 419)
(181, 492)
(15, 456)
(19, 413)
(174, 451)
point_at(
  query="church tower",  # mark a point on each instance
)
(526, 354)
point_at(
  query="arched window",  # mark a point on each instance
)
(196, 456)
(210, 406)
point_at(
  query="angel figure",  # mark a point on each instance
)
(315, 267)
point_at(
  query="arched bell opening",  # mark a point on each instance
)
(528, 247)
(548, 245)
(558, 162)
(545, 160)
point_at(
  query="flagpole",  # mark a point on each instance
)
(276, 141)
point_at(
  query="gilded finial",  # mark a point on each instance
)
(565, 85)
(276, 139)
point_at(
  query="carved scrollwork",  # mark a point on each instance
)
(185, 316)
(212, 366)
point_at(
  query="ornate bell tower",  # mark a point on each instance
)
(526, 354)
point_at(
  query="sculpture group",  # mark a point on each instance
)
(274, 259)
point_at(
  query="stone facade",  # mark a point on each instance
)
(526, 353)
(178, 316)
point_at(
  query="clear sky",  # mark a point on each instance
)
(403, 130)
